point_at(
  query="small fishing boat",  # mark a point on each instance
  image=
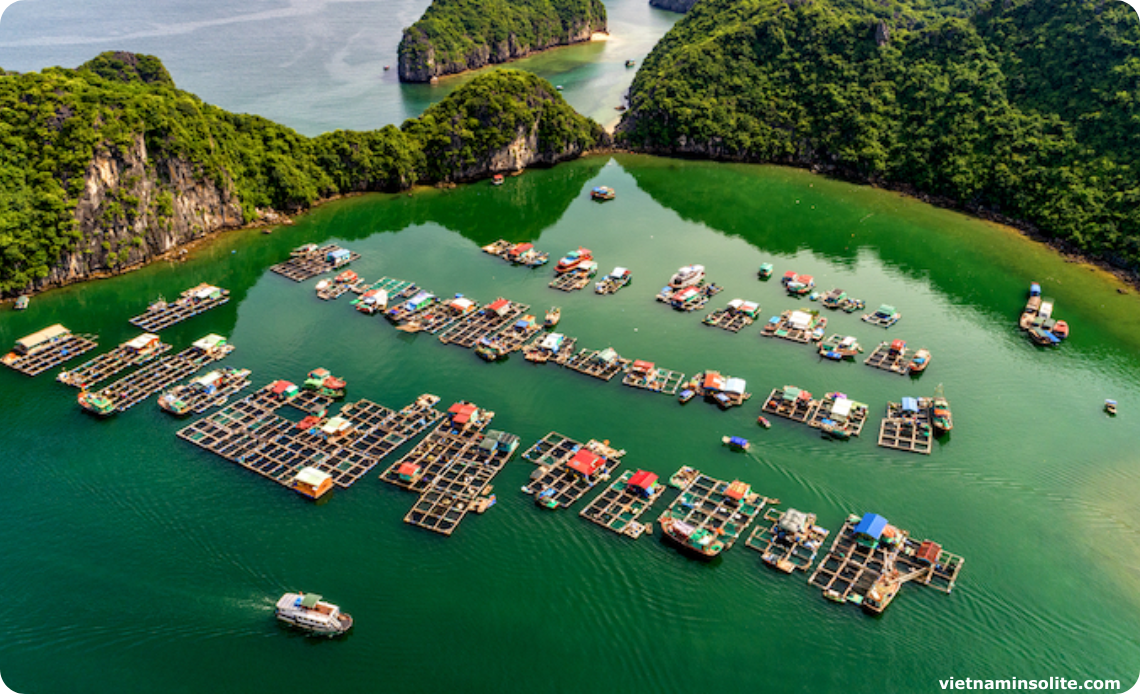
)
(323, 285)
(686, 395)
(305, 250)
(833, 429)
(558, 87)
(920, 361)
(629, 63)
(765, 271)
(885, 316)
(497, 180)
(1061, 329)
(736, 443)
(603, 193)
(763, 421)
(940, 416)
(1043, 337)
(552, 317)
(814, 296)
(1110, 407)
(573, 259)
(22, 302)
(96, 403)
(1032, 306)
(313, 615)
(697, 541)
(347, 277)
(387, 68)
(687, 276)
(799, 285)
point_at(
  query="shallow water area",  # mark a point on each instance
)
(134, 558)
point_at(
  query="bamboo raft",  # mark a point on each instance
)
(464, 486)
(887, 360)
(705, 504)
(154, 378)
(854, 422)
(903, 432)
(572, 281)
(483, 323)
(62, 349)
(784, 329)
(620, 507)
(162, 315)
(198, 400)
(797, 409)
(251, 434)
(596, 363)
(534, 352)
(108, 364)
(657, 380)
(784, 551)
(553, 483)
(310, 265)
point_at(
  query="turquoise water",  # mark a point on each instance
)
(136, 561)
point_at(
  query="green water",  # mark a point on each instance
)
(135, 561)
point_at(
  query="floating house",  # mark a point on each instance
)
(869, 531)
(644, 484)
(312, 483)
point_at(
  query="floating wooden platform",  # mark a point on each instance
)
(620, 507)
(461, 488)
(895, 362)
(855, 421)
(498, 248)
(162, 315)
(729, 318)
(591, 363)
(335, 291)
(482, 323)
(796, 409)
(439, 450)
(438, 318)
(534, 352)
(704, 504)
(509, 339)
(784, 328)
(784, 551)
(197, 400)
(572, 281)
(312, 264)
(160, 375)
(657, 380)
(108, 364)
(251, 434)
(63, 349)
(911, 432)
(554, 484)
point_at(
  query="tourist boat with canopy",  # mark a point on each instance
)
(736, 443)
(573, 259)
(603, 193)
(687, 276)
(308, 612)
(696, 541)
(940, 417)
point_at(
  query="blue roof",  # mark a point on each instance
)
(910, 405)
(1035, 289)
(871, 525)
(738, 441)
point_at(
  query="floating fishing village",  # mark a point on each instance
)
(452, 469)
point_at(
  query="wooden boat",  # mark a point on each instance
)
(96, 403)
(1110, 407)
(629, 63)
(573, 259)
(22, 302)
(603, 193)
(686, 395)
(1061, 329)
(940, 416)
(1032, 306)
(497, 180)
(736, 443)
(763, 421)
(687, 276)
(552, 317)
(833, 429)
(323, 285)
(882, 593)
(765, 271)
(696, 541)
(313, 615)
(799, 285)
(920, 361)
(347, 277)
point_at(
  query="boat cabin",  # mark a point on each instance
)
(643, 484)
(312, 483)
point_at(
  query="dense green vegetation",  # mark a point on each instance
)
(54, 123)
(1026, 108)
(453, 31)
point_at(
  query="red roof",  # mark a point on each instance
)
(308, 422)
(281, 386)
(897, 345)
(409, 469)
(334, 383)
(929, 551)
(521, 248)
(804, 279)
(499, 304)
(643, 479)
(713, 381)
(461, 412)
(640, 365)
(737, 490)
(585, 462)
(790, 275)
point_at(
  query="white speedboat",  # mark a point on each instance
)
(688, 276)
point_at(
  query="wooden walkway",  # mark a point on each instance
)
(483, 323)
(251, 434)
(783, 550)
(590, 363)
(854, 422)
(108, 364)
(154, 378)
(796, 409)
(40, 360)
(659, 380)
(704, 504)
(620, 507)
(907, 432)
(162, 316)
(887, 360)
(312, 264)
(554, 485)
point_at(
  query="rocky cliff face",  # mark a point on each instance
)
(673, 5)
(420, 60)
(134, 209)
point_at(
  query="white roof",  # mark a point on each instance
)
(209, 379)
(736, 303)
(142, 341)
(210, 342)
(206, 291)
(462, 303)
(311, 476)
(735, 385)
(552, 341)
(800, 320)
(841, 408)
(49, 333)
(618, 272)
(336, 425)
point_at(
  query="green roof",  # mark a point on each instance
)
(310, 600)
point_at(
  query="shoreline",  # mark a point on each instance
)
(1130, 280)
(438, 80)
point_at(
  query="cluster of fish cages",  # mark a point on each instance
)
(133, 353)
(906, 428)
(192, 302)
(46, 349)
(308, 262)
(619, 508)
(483, 323)
(566, 470)
(710, 511)
(130, 390)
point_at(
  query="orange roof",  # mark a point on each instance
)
(281, 386)
(643, 479)
(499, 304)
(929, 551)
(738, 490)
(585, 462)
(713, 381)
(521, 248)
(409, 469)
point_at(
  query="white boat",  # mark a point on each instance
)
(323, 285)
(688, 276)
(307, 611)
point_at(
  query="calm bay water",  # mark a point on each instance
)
(134, 561)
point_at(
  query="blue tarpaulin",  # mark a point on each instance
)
(872, 525)
(910, 405)
(738, 442)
